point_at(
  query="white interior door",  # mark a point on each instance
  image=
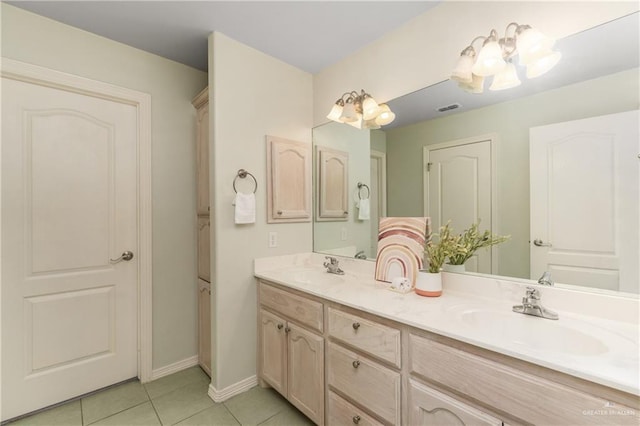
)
(69, 191)
(584, 201)
(458, 186)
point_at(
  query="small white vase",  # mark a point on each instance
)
(429, 284)
(454, 268)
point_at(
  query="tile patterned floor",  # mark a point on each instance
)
(178, 399)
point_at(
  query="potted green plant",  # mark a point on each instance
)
(429, 281)
(467, 243)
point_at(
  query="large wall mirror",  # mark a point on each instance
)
(597, 76)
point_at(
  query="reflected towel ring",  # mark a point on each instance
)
(242, 173)
(360, 185)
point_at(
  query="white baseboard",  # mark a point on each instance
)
(233, 390)
(174, 368)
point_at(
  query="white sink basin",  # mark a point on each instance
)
(535, 333)
(310, 276)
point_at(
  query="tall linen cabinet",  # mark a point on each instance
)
(203, 209)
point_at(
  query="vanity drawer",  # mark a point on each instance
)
(343, 413)
(365, 382)
(527, 397)
(299, 309)
(376, 339)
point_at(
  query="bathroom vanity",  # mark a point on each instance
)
(345, 350)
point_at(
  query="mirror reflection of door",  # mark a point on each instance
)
(458, 188)
(584, 201)
(378, 161)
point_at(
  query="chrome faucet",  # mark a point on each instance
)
(531, 305)
(545, 279)
(333, 266)
(360, 255)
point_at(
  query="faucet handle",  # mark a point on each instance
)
(332, 260)
(533, 293)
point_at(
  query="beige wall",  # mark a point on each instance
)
(252, 95)
(328, 235)
(511, 122)
(423, 51)
(31, 38)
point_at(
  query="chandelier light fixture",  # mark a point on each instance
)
(496, 57)
(361, 111)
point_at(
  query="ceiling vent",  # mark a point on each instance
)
(448, 107)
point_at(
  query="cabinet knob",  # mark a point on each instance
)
(356, 325)
(356, 419)
(279, 212)
(280, 326)
(346, 212)
(287, 329)
(356, 364)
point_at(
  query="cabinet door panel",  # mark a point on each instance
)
(204, 229)
(202, 156)
(430, 407)
(204, 325)
(333, 178)
(306, 372)
(273, 351)
(289, 181)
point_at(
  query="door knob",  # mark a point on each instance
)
(126, 256)
(539, 243)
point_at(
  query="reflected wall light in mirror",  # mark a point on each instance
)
(361, 111)
(496, 58)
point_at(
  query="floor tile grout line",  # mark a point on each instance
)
(152, 404)
(114, 414)
(231, 412)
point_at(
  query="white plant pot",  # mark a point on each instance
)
(454, 268)
(429, 284)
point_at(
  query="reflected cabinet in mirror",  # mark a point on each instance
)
(554, 163)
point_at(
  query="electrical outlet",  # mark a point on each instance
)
(273, 239)
(343, 234)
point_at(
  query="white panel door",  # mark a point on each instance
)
(459, 189)
(584, 201)
(69, 314)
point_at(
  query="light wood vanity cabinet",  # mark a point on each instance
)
(201, 103)
(291, 358)
(379, 372)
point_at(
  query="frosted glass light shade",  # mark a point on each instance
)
(335, 113)
(370, 109)
(489, 60)
(476, 86)
(462, 72)
(532, 44)
(349, 113)
(386, 116)
(543, 64)
(505, 79)
(357, 123)
(370, 124)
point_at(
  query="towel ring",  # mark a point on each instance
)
(242, 173)
(360, 185)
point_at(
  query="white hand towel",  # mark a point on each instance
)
(245, 208)
(364, 211)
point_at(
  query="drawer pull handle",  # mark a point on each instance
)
(356, 419)
(287, 329)
(356, 364)
(280, 326)
(356, 325)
